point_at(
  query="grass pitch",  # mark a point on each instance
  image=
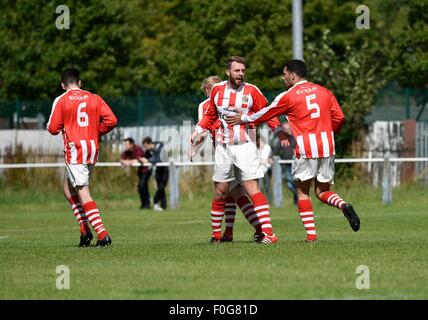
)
(167, 256)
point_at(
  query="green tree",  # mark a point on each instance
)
(34, 52)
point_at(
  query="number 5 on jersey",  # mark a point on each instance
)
(82, 116)
(313, 105)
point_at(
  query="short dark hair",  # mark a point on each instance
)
(69, 76)
(147, 140)
(130, 140)
(296, 66)
(235, 59)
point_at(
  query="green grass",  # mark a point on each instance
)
(167, 256)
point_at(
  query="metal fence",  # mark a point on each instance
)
(277, 178)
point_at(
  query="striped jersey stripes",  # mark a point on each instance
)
(81, 117)
(225, 100)
(314, 115)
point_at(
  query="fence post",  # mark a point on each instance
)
(277, 183)
(387, 180)
(174, 184)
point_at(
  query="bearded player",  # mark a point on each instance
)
(236, 150)
(237, 194)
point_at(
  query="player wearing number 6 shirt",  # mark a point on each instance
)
(82, 117)
(236, 151)
(314, 116)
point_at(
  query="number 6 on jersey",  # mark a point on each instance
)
(82, 116)
(314, 105)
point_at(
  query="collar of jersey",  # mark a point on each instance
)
(236, 90)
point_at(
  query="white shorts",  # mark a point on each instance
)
(237, 161)
(79, 174)
(305, 169)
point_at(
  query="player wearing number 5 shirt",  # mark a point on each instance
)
(314, 116)
(82, 117)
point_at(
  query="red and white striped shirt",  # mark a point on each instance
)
(202, 109)
(314, 115)
(225, 100)
(82, 117)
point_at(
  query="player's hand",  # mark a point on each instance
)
(197, 138)
(284, 139)
(144, 160)
(233, 119)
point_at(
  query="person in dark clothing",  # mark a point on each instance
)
(132, 155)
(158, 154)
(287, 153)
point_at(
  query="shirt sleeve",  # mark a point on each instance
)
(337, 116)
(279, 106)
(56, 122)
(210, 116)
(108, 119)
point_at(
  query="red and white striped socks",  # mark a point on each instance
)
(332, 199)
(79, 214)
(93, 215)
(307, 215)
(229, 215)
(261, 209)
(247, 209)
(217, 213)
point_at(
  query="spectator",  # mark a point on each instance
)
(132, 155)
(158, 154)
(287, 153)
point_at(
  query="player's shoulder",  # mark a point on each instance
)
(60, 98)
(204, 103)
(250, 86)
(219, 85)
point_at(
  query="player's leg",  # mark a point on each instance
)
(72, 198)
(261, 210)
(221, 190)
(325, 177)
(247, 161)
(230, 213)
(93, 214)
(247, 208)
(79, 175)
(304, 207)
(303, 172)
(223, 174)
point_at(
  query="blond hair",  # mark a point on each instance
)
(208, 83)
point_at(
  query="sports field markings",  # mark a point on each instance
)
(192, 221)
(3, 237)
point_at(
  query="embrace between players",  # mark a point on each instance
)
(231, 113)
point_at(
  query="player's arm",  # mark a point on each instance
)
(56, 122)
(208, 118)
(337, 116)
(259, 103)
(279, 106)
(108, 119)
